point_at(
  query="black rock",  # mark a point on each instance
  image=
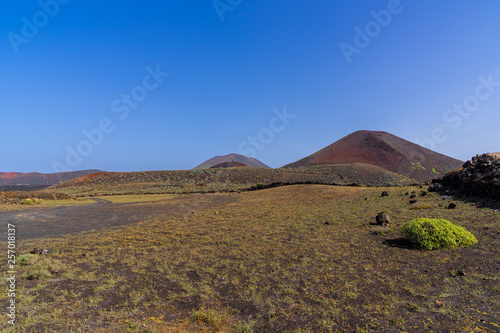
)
(385, 194)
(452, 206)
(412, 201)
(382, 219)
(413, 196)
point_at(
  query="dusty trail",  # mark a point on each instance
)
(45, 222)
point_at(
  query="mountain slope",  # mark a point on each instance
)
(34, 178)
(386, 151)
(231, 160)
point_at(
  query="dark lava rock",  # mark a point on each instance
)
(423, 194)
(413, 196)
(452, 206)
(435, 187)
(383, 219)
(478, 177)
(385, 194)
(326, 223)
(413, 201)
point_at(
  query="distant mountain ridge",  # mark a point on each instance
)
(40, 179)
(384, 150)
(231, 160)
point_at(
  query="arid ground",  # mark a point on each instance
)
(300, 258)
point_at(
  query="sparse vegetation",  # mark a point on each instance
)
(29, 201)
(434, 234)
(257, 261)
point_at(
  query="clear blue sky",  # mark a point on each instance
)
(71, 67)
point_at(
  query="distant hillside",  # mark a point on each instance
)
(231, 160)
(34, 179)
(383, 150)
(226, 179)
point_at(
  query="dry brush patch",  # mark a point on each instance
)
(289, 259)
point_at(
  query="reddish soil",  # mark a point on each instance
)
(228, 165)
(386, 151)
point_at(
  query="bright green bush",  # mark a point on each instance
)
(433, 234)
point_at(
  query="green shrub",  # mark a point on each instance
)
(26, 202)
(27, 259)
(34, 201)
(433, 234)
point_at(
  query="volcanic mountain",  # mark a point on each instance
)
(384, 150)
(10, 179)
(231, 160)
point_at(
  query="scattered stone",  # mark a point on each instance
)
(326, 223)
(413, 196)
(452, 206)
(385, 194)
(407, 193)
(412, 201)
(423, 194)
(40, 251)
(460, 273)
(383, 219)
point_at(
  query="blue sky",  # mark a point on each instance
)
(295, 76)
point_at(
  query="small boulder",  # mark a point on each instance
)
(385, 194)
(40, 251)
(383, 219)
(413, 196)
(414, 201)
(452, 206)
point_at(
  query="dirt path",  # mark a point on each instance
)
(45, 222)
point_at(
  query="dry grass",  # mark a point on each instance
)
(265, 261)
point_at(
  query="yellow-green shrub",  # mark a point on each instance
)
(433, 234)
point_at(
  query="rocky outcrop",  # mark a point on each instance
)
(478, 177)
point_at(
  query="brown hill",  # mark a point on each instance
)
(8, 179)
(384, 150)
(236, 159)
